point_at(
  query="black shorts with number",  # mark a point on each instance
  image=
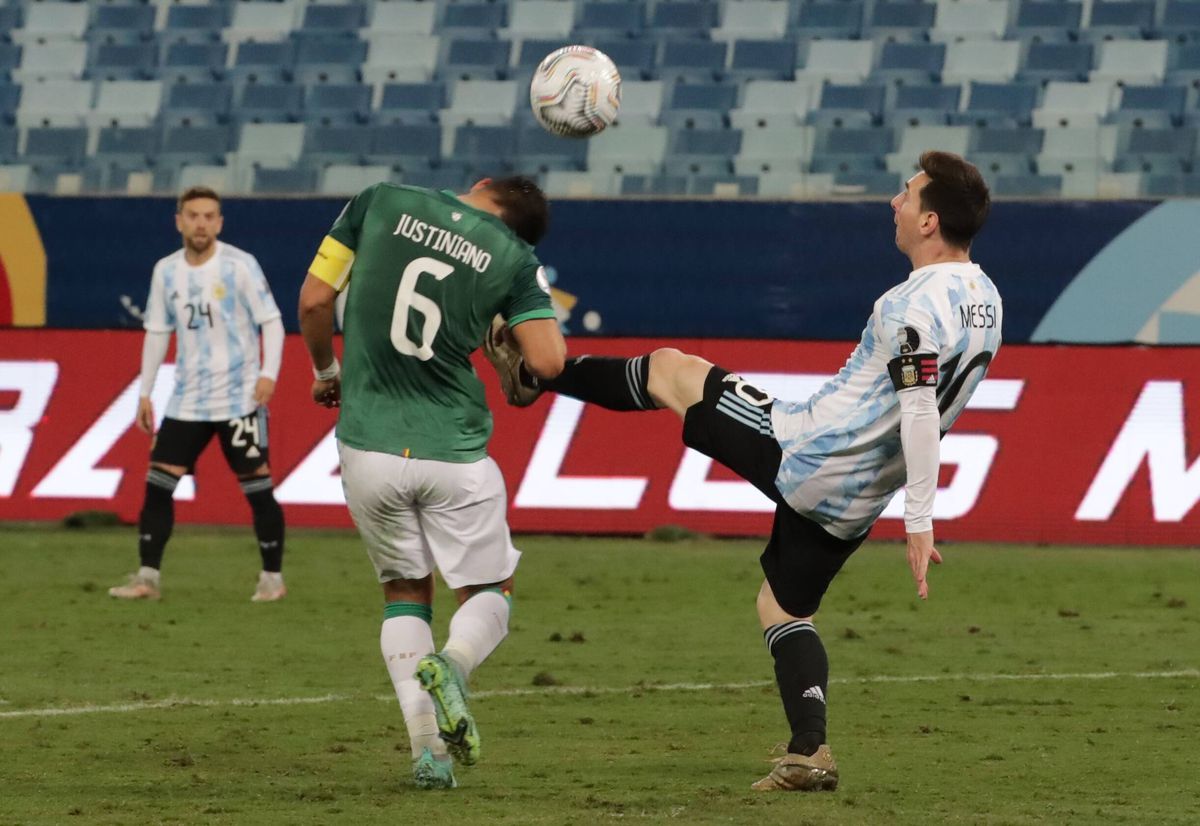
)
(732, 424)
(243, 441)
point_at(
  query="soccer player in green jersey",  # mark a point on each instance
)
(430, 271)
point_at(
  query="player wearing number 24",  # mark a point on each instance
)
(427, 272)
(215, 299)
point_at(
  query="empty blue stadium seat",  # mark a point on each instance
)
(654, 185)
(411, 103)
(851, 150)
(135, 145)
(263, 62)
(610, 19)
(702, 151)
(1056, 61)
(195, 24)
(269, 103)
(483, 59)
(1047, 22)
(337, 103)
(1156, 106)
(329, 60)
(901, 22)
(763, 60)
(342, 143)
(1120, 20)
(680, 18)
(10, 58)
(8, 144)
(196, 144)
(1183, 66)
(323, 19)
(1171, 186)
(635, 57)
(533, 49)
(1027, 186)
(539, 151)
(692, 60)
(409, 147)
(852, 105)
(720, 185)
(910, 62)
(835, 20)
(197, 104)
(1007, 141)
(284, 181)
(929, 105)
(1180, 21)
(474, 19)
(699, 106)
(998, 104)
(132, 61)
(485, 147)
(62, 144)
(186, 62)
(10, 19)
(1174, 147)
(10, 97)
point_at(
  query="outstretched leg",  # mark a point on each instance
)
(665, 378)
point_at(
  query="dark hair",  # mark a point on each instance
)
(523, 206)
(957, 193)
(194, 192)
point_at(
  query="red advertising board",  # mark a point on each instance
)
(1060, 444)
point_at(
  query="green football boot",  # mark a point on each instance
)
(439, 676)
(431, 773)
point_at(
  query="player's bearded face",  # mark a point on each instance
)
(199, 222)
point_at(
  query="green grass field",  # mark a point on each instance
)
(1036, 686)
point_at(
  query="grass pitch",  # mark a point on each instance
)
(1036, 686)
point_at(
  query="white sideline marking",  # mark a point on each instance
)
(183, 702)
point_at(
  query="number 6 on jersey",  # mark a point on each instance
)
(407, 298)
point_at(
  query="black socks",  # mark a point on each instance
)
(268, 520)
(615, 383)
(157, 517)
(802, 672)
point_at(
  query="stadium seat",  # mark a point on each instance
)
(473, 20)
(699, 106)
(641, 103)
(16, 178)
(45, 22)
(57, 60)
(838, 61)
(488, 149)
(1047, 22)
(753, 20)
(851, 149)
(869, 183)
(9, 138)
(332, 19)
(481, 102)
(546, 19)
(126, 103)
(410, 103)
(993, 61)
(929, 105)
(261, 22)
(654, 185)
(530, 51)
(762, 60)
(970, 20)
(54, 103)
(903, 63)
(609, 18)
(702, 151)
(632, 149)
(692, 60)
(1184, 65)
(1131, 62)
(774, 149)
(856, 106)
(186, 62)
(120, 151)
(1159, 151)
(916, 139)
(409, 58)
(906, 22)
(1180, 21)
(1045, 62)
(131, 61)
(476, 59)
(1167, 186)
(1154, 106)
(214, 176)
(635, 57)
(329, 60)
(350, 179)
(269, 103)
(559, 183)
(283, 181)
(10, 20)
(775, 103)
(256, 62)
(272, 145)
(1120, 20)
(61, 145)
(120, 24)
(538, 151)
(998, 105)
(10, 99)
(683, 18)
(195, 145)
(195, 24)
(831, 20)
(332, 103)
(1027, 186)
(401, 20)
(1081, 144)
(455, 178)
(10, 58)
(197, 104)
(723, 186)
(339, 143)
(1073, 104)
(1004, 151)
(406, 147)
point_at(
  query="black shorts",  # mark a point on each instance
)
(243, 441)
(732, 424)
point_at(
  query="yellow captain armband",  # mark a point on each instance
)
(332, 263)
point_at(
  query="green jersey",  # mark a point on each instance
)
(429, 274)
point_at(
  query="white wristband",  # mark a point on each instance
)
(330, 372)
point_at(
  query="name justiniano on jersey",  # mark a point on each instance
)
(842, 459)
(215, 311)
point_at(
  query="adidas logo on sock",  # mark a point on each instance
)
(814, 693)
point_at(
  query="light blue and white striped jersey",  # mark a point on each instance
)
(215, 311)
(842, 459)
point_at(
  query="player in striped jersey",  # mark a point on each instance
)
(215, 299)
(831, 463)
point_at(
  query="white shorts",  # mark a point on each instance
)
(418, 514)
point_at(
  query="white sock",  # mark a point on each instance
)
(403, 641)
(148, 574)
(477, 627)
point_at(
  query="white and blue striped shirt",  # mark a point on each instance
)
(215, 311)
(842, 459)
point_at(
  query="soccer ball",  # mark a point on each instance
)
(575, 92)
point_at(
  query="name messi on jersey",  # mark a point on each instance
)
(444, 241)
(982, 316)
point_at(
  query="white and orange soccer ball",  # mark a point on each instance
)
(575, 92)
